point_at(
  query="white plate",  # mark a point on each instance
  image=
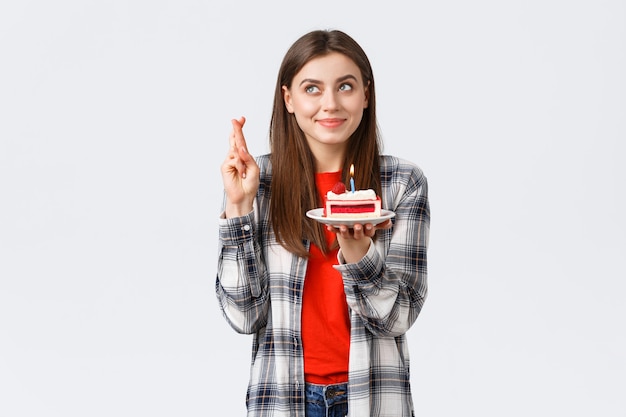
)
(318, 214)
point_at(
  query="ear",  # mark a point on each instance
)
(366, 100)
(287, 99)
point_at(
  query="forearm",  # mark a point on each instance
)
(387, 287)
(380, 294)
(241, 286)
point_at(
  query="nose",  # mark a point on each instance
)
(329, 101)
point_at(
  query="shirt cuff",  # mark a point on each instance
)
(236, 230)
(364, 273)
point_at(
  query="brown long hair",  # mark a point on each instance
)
(293, 189)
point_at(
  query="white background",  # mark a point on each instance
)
(114, 117)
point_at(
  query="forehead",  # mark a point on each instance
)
(328, 68)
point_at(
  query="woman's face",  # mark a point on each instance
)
(327, 98)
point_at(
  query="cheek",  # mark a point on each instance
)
(357, 105)
(304, 121)
(305, 108)
(356, 110)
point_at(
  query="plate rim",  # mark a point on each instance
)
(388, 214)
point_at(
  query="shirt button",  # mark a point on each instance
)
(246, 228)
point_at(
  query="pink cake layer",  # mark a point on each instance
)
(352, 208)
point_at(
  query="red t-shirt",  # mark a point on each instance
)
(325, 319)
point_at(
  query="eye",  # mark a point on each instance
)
(311, 89)
(345, 87)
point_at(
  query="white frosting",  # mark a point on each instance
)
(356, 195)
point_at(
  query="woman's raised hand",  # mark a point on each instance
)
(240, 173)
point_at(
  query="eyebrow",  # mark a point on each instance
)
(340, 79)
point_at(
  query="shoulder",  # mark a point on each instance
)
(263, 161)
(265, 166)
(265, 174)
(403, 184)
(398, 170)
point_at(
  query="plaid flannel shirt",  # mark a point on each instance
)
(259, 288)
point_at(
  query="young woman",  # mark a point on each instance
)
(328, 307)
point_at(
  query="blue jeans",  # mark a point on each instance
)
(326, 400)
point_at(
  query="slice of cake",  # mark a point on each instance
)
(340, 203)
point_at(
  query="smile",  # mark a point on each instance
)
(331, 122)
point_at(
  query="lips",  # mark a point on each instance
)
(330, 123)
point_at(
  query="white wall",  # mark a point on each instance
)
(114, 119)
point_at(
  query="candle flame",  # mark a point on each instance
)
(352, 170)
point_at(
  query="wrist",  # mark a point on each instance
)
(354, 250)
(237, 210)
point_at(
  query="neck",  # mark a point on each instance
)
(329, 158)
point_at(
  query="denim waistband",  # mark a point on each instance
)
(329, 394)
